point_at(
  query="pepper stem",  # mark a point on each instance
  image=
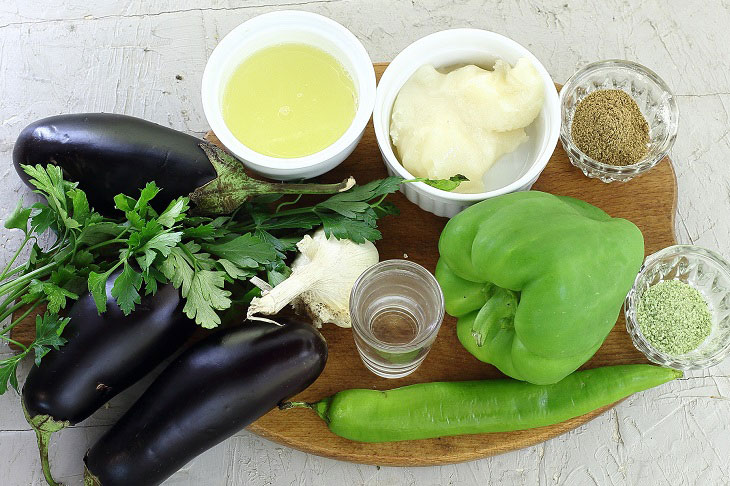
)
(44, 426)
(498, 312)
(321, 407)
(288, 405)
(233, 186)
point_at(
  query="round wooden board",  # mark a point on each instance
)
(649, 201)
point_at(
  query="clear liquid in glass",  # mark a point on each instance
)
(396, 308)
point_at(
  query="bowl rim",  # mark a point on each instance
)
(645, 163)
(363, 75)
(634, 329)
(551, 109)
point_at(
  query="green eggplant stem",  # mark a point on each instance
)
(89, 478)
(44, 426)
(233, 186)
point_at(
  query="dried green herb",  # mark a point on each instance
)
(674, 317)
(609, 127)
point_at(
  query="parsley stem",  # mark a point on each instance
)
(13, 341)
(13, 295)
(8, 312)
(38, 272)
(295, 211)
(116, 239)
(107, 243)
(289, 203)
(377, 203)
(15, 256)
(15, 270)
(21, 317)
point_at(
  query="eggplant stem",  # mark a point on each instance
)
(89, 478)
(44, 426)
(233, 186)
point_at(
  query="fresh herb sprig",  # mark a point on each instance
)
(199, 255)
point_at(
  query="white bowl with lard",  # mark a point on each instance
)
(469, 102)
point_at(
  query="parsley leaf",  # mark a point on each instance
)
(97, 288)
(48, 335)
(277, 273)
(245, 251)
(161, 243)
(206, 295)
(99, 232)
(19, 217)
(55, 295)
(8, 372)
(81, 210)
(175, 212)
(356, 230)
(124, 203)
(203, 231)
(443, 184)
(43, 218)
(178, 268)
(126, 289)
(234, 271)
(145, 196)
(48, 331)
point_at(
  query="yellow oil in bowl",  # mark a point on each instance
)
(289, 100)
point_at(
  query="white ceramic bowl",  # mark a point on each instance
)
(513, 172)
(289, 26)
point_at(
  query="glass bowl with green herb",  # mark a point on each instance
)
(619, 119)
(678, 312)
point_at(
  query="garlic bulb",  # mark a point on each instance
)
(322, 277)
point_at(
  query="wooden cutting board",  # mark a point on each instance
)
(649, 201)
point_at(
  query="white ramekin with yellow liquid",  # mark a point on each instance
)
(289, 27)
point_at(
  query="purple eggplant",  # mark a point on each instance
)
(211, 391)
(104, 355)
(109, 154)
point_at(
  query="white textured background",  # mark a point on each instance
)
(63, 56)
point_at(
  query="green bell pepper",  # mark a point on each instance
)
(536, 280)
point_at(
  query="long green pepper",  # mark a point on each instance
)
(440, 409)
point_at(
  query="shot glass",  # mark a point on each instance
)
(396, 307)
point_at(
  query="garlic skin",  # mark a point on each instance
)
(322, 277)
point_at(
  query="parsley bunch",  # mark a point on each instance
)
(199, 255)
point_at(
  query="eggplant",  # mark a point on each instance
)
(109, 154)
(104, 355)
(214, 389)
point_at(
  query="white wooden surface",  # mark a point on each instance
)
(63, 56)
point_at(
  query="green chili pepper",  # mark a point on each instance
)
(440, 409)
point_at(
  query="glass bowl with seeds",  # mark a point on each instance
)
(619, 119)
(678, 311)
